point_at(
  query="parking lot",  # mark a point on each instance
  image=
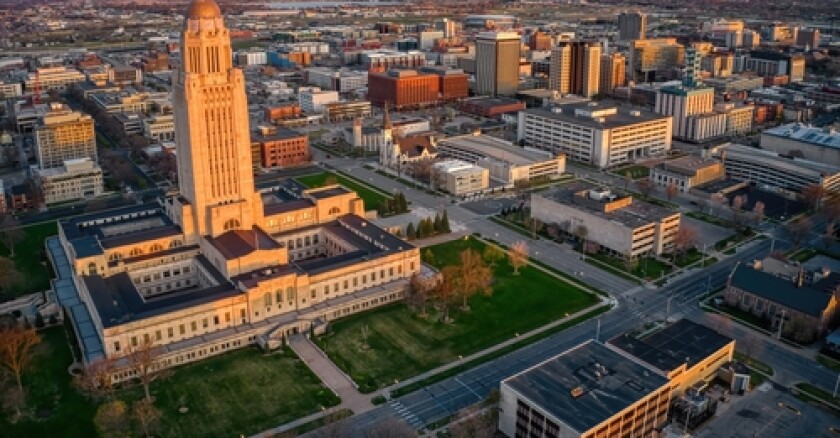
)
(769, 412)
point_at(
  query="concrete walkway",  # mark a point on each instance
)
(331, 375)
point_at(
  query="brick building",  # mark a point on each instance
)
(453, 83)
(491, 107)
(281, 147)
(282, 112)
(403, 88)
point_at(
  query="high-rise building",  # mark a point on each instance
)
(693, 58)
(632, 26)
(449, 27)
(612, 72)
(751, 38)
(212, 130)
(808, 37)
(403, 88)
(575, 68)
(497, 63)
(648, 57)
(64, 134)
(693, 112)
(539, 40)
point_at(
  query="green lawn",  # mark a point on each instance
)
(30, 259)
(242, 392)
(708, 218)
(403, 345)
(826, 361)
(815, 392)
(371, 198)
(636, 171)
(690, 257)
(648, 267)
(803, 255)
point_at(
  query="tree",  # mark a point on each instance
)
(12, 233)
(142, 359)
(16, 350)
(581, 233)
(671, 190)
(758, 213)
(418, 292)
(436, 225)
(535, 225)
(720, 322)
(645, 186)
(684, 239)
(13, 399)
(447, 288)
(798, 230)
(553, 231)
(477, 276)
(737, 209)
(331, 180)
(628, 178)
(444, 222)
(390, 429)
(518, 256)
(9, 275)
(831, 209)
(813, 196)
(148, 416)
(97, 379)
(410, 231)
(475, 421)
(111, 419)
(492, 255)
(828, 237)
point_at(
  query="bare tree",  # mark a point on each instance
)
(148, 416)
(685, 239)
(535, 225)
(831, 209)
(14, 399)
(751, 345)
(16, 350)
(828, 237)
(813, 196)
(582, 233)
(758, 213)
(645, 187)
(477, 276)
(97, 379)
(671, 190)
(720, 322)
(553, 231)
(475, 421)
(336, 427)
(738, 209)
(798, 230)
(142, 360)
(628, 178)
(12, 233)
(418, 292)
(9, 275)
(518, 256)
(112, 419)
(447, 288)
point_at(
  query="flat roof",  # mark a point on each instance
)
(638, 213)
(607, 383)
(688, 164)
(494, 148)
(624, 116)
(683, 342)
(276, 133)
(806, 134)
(771, 158)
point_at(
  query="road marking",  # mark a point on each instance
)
(468, 388)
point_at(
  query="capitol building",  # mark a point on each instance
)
(220, 265)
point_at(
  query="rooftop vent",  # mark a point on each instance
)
(578, 391)
(635, 113)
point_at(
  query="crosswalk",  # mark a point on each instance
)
(407, 415)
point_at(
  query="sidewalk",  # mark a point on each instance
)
(293, 424)
(331, 375)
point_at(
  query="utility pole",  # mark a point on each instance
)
(781, 323)
(598, 336)
(668, 308)
(836, 384)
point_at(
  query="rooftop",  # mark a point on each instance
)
(487, 147)
(683, 342)
(598, 115)
(773, 159)
(586, 385)
(688, 164)
(274, 133)
(234, 244)
(809, 299)
(807, 134)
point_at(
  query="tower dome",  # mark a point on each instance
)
(204, 9)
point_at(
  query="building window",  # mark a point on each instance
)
(231, 224)
(267, 299)
(216, 320)
(157, 335)
(170, 331)
(204, 323)
(117, 346)
(194, 326)
(181, 329)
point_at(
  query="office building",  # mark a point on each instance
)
(251, 57)
(752, 39)
(739, 116)
(734, 84)
(575, 68)
(808, 38)
(77, 178)
(771, 64)
(220, 265)
(490, 22)
(10, 89)
(403, 89)
(632, 26)
(63, 134)
(692, 110)
(648, 59)
(490, 107)
(821, 145)
(281, 147)
(540, 40)
(448, 27)
(774, 172)
(685, 352)
(601, 134)
(460, 178)
(343, 81)
(506, 162)
(588, 391)
(613, 72)
(59, 79)
(427, 39)
(693, 59)
(687, 172)
(382, 60)
(497, 63)
(314, 101)
(347, 110)
(618, 223)
(159, 127)
(453, 83)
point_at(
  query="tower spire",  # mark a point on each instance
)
(386, 119)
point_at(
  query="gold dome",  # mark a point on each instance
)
(204, 9)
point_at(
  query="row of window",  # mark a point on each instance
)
(157, 336)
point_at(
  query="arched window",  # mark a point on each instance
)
(267, 299)
(279, 296)
(156, 248)
(135, 252)
(290, 293)
(92, 270)
(231, 224)
(335, 210)
(114, 257)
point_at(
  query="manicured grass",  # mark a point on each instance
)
(636, 171)
(648, 267)
(403, 344)
(828, 362)
(513, 227)
(818, 394)
(734, 239)
(691, 256)
(57, 408)
(754, 364)
(242, 392)
(740, 315)
(30, 259)
(803, 255)
(708, 218)
(371, 198)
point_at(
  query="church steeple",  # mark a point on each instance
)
(386, 118)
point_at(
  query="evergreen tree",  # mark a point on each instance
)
(382, 208)
(428, 227)
(444, 223)
(438, 226)
(421, 229)
(410, 231)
